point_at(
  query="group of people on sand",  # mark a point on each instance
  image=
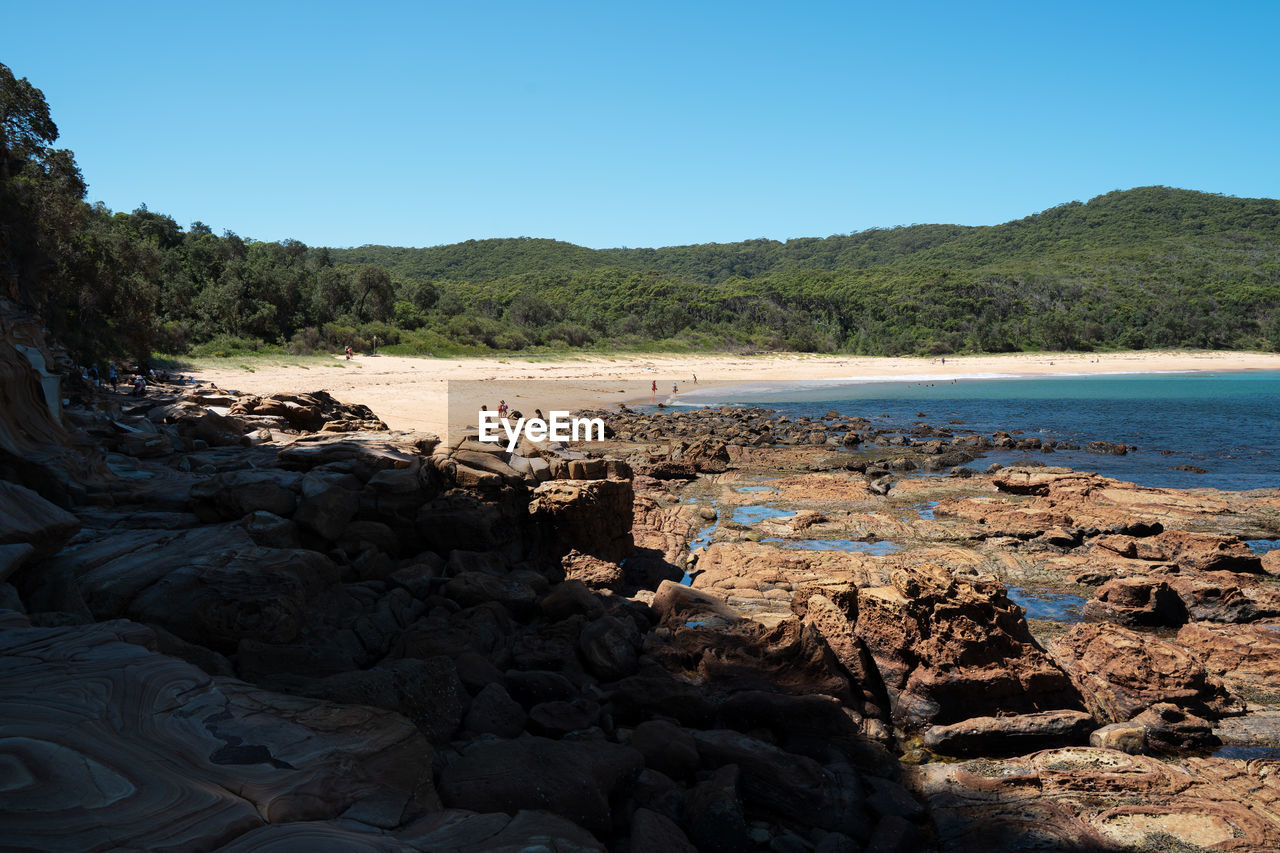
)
(504, 411)
(675, 386)
(142, 377)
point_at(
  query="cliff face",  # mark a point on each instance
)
(34, 446)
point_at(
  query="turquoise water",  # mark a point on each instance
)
(1225, 423)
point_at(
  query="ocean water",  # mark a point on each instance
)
(1225, 423)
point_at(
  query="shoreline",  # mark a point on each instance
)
(415, 393)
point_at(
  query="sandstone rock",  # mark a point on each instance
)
(1225, 597)
(675, 601)
(211, 585)
(640, 697)
(289, 665)
(560, 718)
(1246, 655)
(494, 712)
(652, 831)
(110, 745)
(224, 497)
(428, 692)
(951, 648)
(27, 518)
(1136, 602)
(610, 647)
(13, 557)
(593, 517)
(1171, 728)
(270, 530)
(570, 779)
(1121, 673)
(666, 747)
(10, 600)
(1124, 737)
(1006, 735)
(529, 687)
(568, 598)
(1081, 798)
(713, 813)
(791, 787)
(472, 588)
(593, 571)
(327, 505)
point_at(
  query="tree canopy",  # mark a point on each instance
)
(1146, 267)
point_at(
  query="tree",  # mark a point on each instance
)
(376, 282)
(25, 125)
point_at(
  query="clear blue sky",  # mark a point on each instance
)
(647, 124)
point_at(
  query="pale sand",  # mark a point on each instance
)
(410, 393)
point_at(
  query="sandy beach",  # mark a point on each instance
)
(415, 393)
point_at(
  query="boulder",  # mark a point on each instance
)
(1121, 673)
(1173, 729)
(561, 717)
(235, 494)
(593, 517)
(270, 530)
(1139, 601)
(1010, 735)
(327, 504)
(26, 518)
(494, 712)
(472, 588)
(427, 692)
(1247, 655)
(610, 647)
(593, 571)
(653, 831)
(666, 747)
(950, 648)
(792, 788)
(713, 813)
(1125, 737)
(572, 779)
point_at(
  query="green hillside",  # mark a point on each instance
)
(1146, 267)
(1123, 218)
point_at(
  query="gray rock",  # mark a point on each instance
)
(494, 712)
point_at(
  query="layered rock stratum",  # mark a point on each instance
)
(235, 622)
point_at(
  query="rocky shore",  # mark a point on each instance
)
(233, 622)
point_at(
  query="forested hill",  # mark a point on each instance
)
(1124, 218)
(1141, 268)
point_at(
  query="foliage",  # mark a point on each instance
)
(1147, 267)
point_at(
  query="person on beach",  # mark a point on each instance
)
(675, 389)
(653, 392)
(695, 379)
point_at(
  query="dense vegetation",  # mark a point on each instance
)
(1148, 267)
